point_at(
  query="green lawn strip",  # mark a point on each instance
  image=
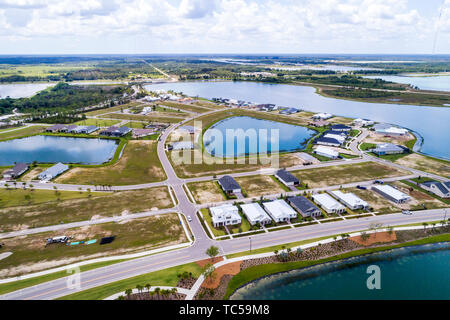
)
(20, 284)
(282, 186)
(12, 197)
(97, 122)
(21, 133)
(139, 164)
(154, 117)
(166, 277)
(260, 271)
(366, 146)
(208, 220)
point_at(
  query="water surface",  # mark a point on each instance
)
(290, 137)
(439, 83)
(430, 122)
(49, 149)
(407, 273)
(22, 90)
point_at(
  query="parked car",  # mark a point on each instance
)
(361, 187)
(407, 212)
(379, 182)
(189, 218)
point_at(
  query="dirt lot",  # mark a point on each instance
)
(228, 269)
(380, 138)
(206, 192)
(378, 237)
(423, 163)
(376, 201)
(54, 212)
(30, 253)
(337, 175)
(418, 198)
(259, 185)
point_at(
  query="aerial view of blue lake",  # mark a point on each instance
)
(290, 137)
(430, 122)
(48, 149)
(408, 273)
(22, 90)
(439, 83)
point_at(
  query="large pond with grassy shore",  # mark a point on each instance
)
(22, 90)
(264, 133)
(430, 122)
(52, 149)
(410, 273)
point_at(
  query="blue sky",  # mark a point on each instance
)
(223, 26)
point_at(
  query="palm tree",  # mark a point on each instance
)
(128, 292)
(157, 291)
(148, 286)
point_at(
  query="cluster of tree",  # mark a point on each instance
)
(351, 81)
(358, 93)
(62, 117)
(63, 97)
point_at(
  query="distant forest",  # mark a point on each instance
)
(63, 98)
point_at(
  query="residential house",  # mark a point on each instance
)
(441, 189)
(305, 207)
(280, 211)
(391, 193)
(229, 185)
(325, 141)
(327, 203)
(340, 127)
(322, 116)
(287, 178)
(255, 214)
(350, 200)
(16, 171)
(326, 152)
(53, 172)
(363, 122)
(389, 148)
(56, 128)
(225, 215)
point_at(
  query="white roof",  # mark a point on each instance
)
(218, 212)
(279, 209)
(349, 198)
(326, 150)
(339, 138)
(327, 201)
(394, 193)
(323, 115)
(254, 212)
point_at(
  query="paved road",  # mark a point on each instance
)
(123, 270)
(97, 277)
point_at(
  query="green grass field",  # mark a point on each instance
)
(24, 132)
(166, 277)
(53, 211)
(153, 117)
(30, 253)
(97, 122)
(139, 164)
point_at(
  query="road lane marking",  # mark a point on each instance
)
(102, 277)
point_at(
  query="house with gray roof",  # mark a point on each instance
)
(441, 189)
(325, 141)
(389, 148)
(53, 172)
(305, 207)
(287, 178)
(15, 172)
(229, 185)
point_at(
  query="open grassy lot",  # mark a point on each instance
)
(153, 117)
(28, 131)
(375, 200)
(97, 122)
(13, 197)
(112, 109)
(136, 124)
(139, 164)
(427, 164)
(206, 192)
(336, 175)
(47, 210)
(191, 169)
(259, 185)
(183, 106)
(166, 277)
(30, 253)
(41, 70)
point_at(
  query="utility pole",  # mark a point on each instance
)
(250, 238)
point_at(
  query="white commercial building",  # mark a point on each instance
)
(327, 203)
(225, 215)
(280, 211)
(255, 214)
(326, 152)
(391, 193)
(350, 200)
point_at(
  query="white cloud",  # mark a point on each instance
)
(226, 25)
